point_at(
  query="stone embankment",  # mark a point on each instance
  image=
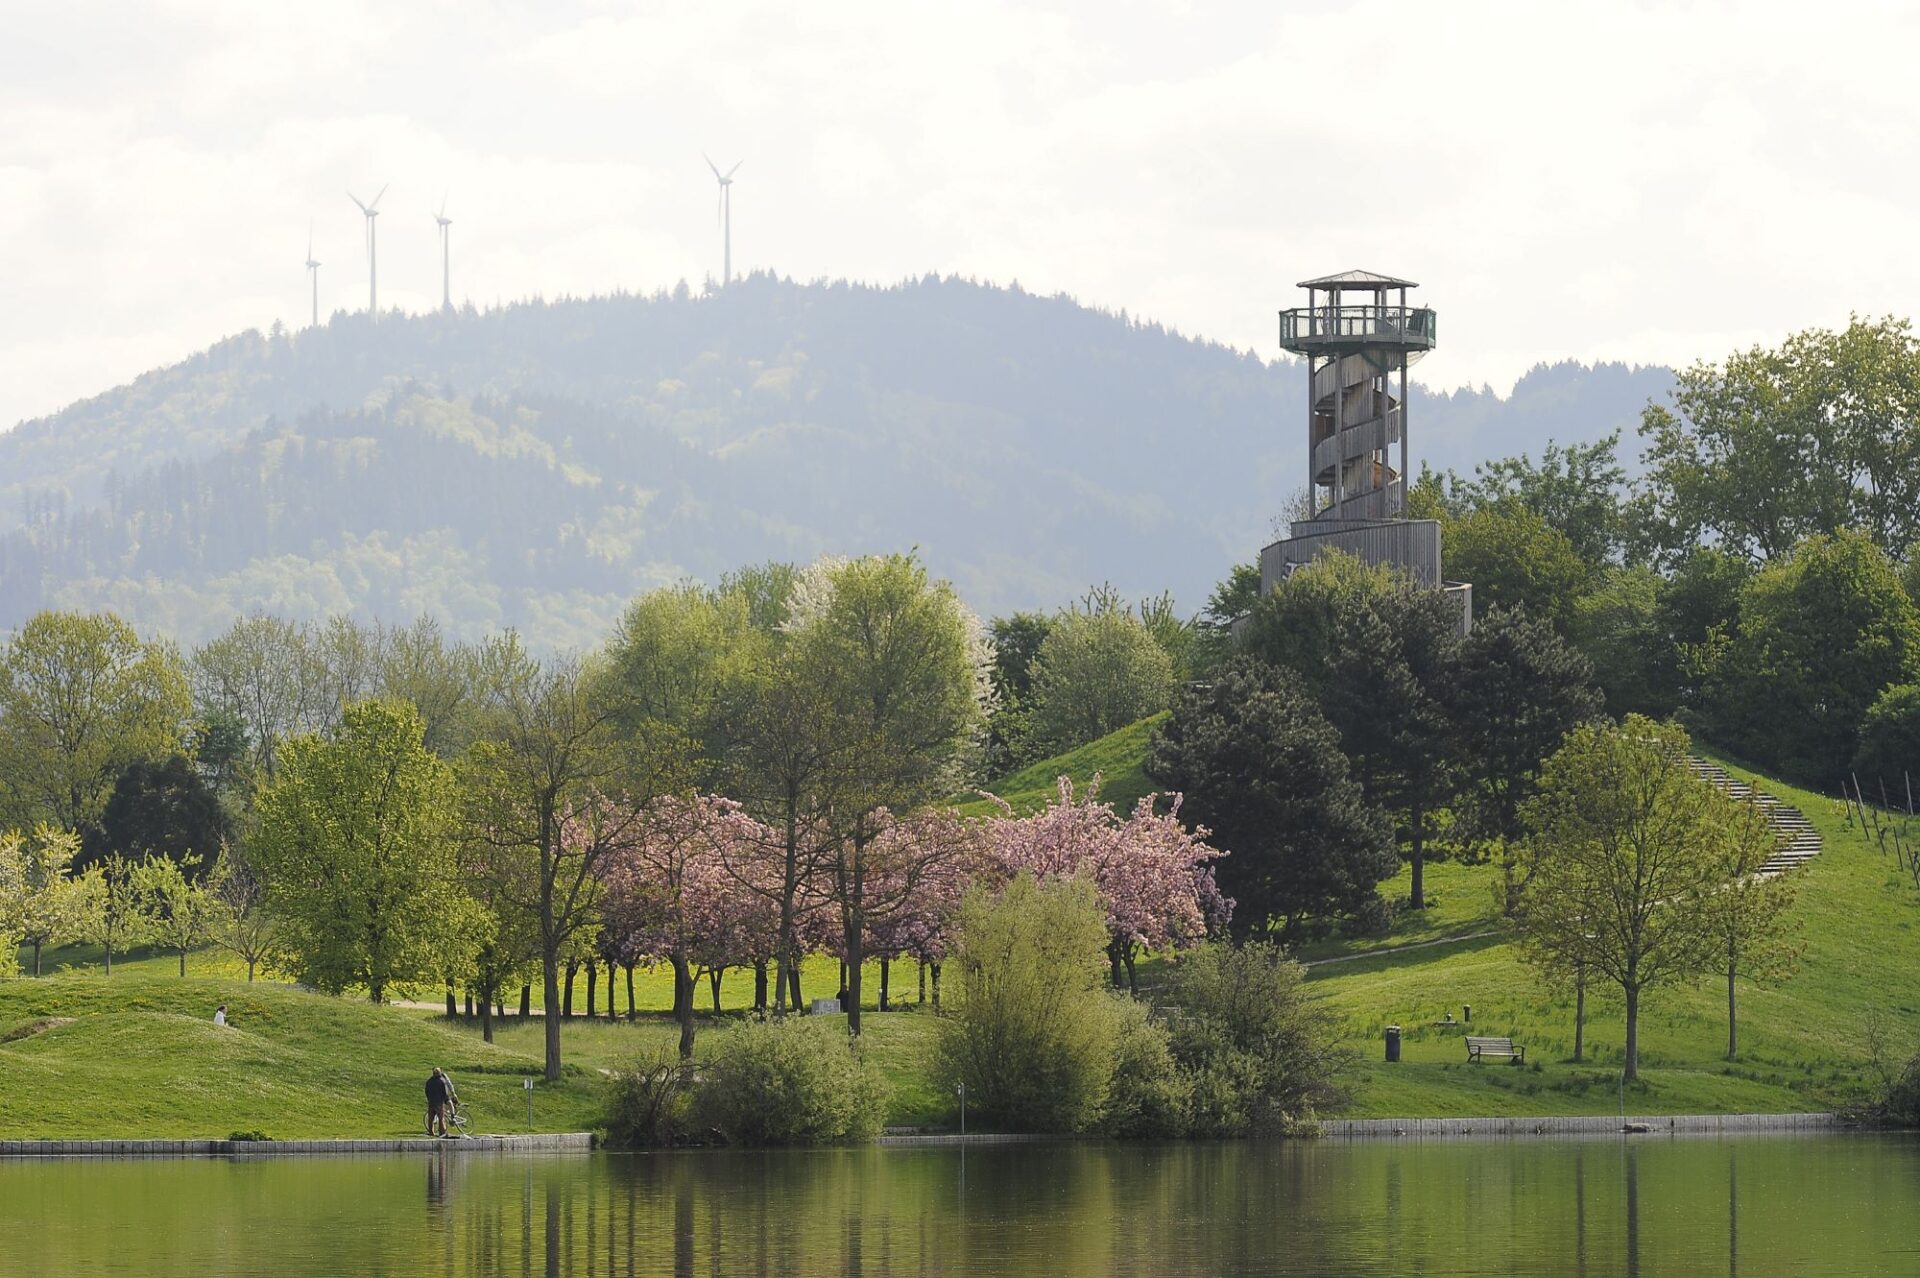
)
(1589, 1125)
(555, 1142)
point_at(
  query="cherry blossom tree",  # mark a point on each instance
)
(1152, 873)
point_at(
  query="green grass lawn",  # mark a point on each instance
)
(1803, 1045)
(1119, 757)
(138, 1056)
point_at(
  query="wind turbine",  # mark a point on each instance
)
(313, 272)
(446, 269)
(726, 215)
(371, 210)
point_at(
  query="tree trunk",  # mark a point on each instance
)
(36, 959)
(1113, 964)
(593, 980)
(1133, 977)
(630, 1012)
(1579, 1017)
(923, 983)
(108, 947)
(1632, 1070)
(760, 986)
(453, 1009)
(183, 960)
(249, 970)
(793, 982)
(683, 1003)
(886, 966)
(566, 999)
(856, 957)
(486, 1016)
(1733, 1039)
(1417, 820)
(526, 1001)
(713, 979)
(936, 986)
(377, 992)
(550, 993)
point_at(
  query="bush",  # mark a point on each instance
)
(1889, 750)
(1148, 1094)
(790, 1083)
(1259, 1049)
(1033, 1033)
(652, 1102)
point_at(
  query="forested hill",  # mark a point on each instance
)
(537, 465)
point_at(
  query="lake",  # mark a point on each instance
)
(1750, 1205)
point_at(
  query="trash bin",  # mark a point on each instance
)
(1393, 1044)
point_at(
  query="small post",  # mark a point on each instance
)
(527, 1085)
(961, 1092)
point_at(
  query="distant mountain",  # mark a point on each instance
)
(539, 464)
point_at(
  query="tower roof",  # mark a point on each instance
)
(1357, 279)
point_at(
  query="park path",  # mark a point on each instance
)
(1799, 841)
(1402, 949)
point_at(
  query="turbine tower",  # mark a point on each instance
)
(313, 273)
(446, 262)
(371, 210)
(726, 216)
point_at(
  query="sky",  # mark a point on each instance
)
(1652, 183)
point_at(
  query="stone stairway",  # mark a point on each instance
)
(1799, 841)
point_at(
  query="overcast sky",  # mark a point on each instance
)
(1650, 182)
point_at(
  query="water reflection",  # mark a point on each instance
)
(1809, 1205)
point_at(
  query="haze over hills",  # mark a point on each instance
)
(539, 464)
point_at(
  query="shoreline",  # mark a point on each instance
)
(539, 1143)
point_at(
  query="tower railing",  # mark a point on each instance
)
(1319, 326)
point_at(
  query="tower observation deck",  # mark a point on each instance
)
(1359, 336)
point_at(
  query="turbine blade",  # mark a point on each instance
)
(710, 163)
(735, 169)
(376, 199)
(356, 200)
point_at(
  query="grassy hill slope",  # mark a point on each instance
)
(137, 1055)
(1120, 758)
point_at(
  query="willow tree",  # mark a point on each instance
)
(1623, 847)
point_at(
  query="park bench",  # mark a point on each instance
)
(1479, 1047)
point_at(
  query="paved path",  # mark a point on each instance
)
(1401, 949)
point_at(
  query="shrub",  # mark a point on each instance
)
(1260, 1050)
(1889, 750)
(790, 1083)
(651, 1103)
(1033, 1033)
(1148, 1094)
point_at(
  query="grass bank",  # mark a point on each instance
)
(138, 1056)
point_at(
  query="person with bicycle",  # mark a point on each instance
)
(441, 1101)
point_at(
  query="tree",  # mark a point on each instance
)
(257, 673)
(1614, 626)
(1261, 768)
(1889, 750)
(111, 916)
(241, 924)
(81, 697)
(1011, 732)
(356, 850)
(1231, 600)
(1822, 631)
(178, 909)
(418, 665)
(1153, 874)
(903, 672)
(1575, 490)
(1624, 858)
(1097, 672)
(1775, 446)
(1522, 689)
(1696, 612)
(1515, 559)
(41, 904)
(1748, 912)
(1032, 1040)
(162, 808)
(549, 793)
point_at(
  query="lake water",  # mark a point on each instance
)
(1753, 1205)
